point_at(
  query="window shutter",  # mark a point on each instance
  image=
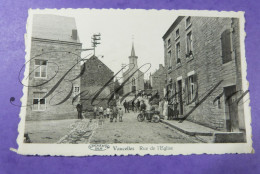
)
(186, 95)
(196, 87)
(188, 46)
(226, 46)
(191, 43)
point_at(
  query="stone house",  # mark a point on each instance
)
(202, 58)
(94, 90)
(157, 80)
(133, 77)
(53, 67)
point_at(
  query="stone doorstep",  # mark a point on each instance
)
(229, 137)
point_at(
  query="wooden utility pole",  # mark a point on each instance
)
(95, 41)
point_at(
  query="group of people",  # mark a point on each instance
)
(132, 105)
(164, 106)
(112, 112)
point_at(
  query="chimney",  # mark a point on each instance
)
(74, 34)
(160, 66)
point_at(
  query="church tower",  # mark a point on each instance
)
(136, 81)
(133, 59)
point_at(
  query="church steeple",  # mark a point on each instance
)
(133, 50)
(133, 58)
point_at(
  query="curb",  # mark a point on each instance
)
(188, 132)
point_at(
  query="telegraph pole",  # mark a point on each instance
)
(95, 41)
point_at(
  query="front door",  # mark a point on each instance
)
(231, 109)
(180, 97)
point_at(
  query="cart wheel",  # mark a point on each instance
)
(140, 117)
(156, 118)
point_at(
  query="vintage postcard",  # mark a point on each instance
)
(134, 82)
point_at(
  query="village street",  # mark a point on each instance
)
(104, 132)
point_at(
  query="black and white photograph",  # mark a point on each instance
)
(113, 82)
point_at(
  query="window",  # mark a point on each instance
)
(76, 89)
(188, 22)
(40, 68)
(178, 52)
(177, 33)
(170, 58)
(226, 46)
(191, 88)
(189, 43)
(39, 103)
(169, 42)
(133, 82)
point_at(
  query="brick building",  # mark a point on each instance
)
(157, 80)
(136, 82)
(95, 76)
(54, 51)
(202, 54)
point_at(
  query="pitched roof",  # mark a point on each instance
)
(158, 72)
(172, 27)
(95, 58)
(53, 27)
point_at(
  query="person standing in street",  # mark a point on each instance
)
(175, 109)
(101, 116)
(95, 112)
(108, 112)
(143, 106)
(126, 106)
(115, 113)
(105, 113)
(149, 111)
(138, 105)
(120, 114)
(111, 114)
(79, 109)
(133, 105)
(165, 109)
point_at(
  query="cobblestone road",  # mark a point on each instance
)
(132, 131)
(81, 131)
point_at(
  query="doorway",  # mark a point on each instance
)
(231, 109)
(180, 97)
